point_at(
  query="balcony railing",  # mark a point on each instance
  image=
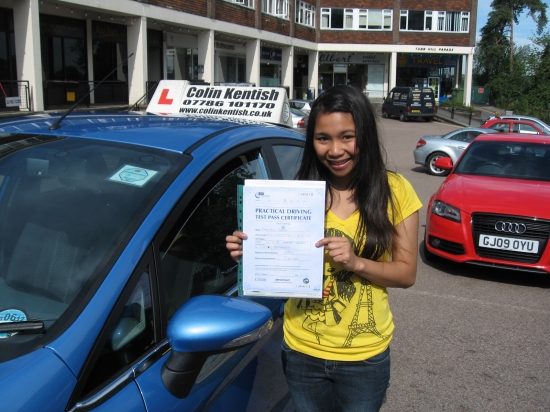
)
(62, 94)
(14, 95)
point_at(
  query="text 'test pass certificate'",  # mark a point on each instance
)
(283, 219)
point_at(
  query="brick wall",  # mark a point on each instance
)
(443, 5)
(198, 7)
(275, 25)
(441, 39)
(233, 13)
(304, 32)
(356, 37)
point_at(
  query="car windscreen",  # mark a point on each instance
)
(516, 160)
(65, 206)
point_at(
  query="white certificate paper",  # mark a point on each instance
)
(283, 220)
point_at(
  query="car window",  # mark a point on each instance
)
(289, 158)
(461, 137)
(65, 206)
(194, 258)
(500, 127)
(526, 128)
(128, 336)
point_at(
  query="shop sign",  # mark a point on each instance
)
(347, 58)
(434, 49)
(229, 47)
(427, 60)
(181, 98)
(269, 53)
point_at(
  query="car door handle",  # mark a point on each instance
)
(461, 147)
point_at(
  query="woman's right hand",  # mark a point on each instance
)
(234, 243)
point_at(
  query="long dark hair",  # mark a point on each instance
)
(369, 183)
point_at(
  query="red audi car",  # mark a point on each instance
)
(494, 207)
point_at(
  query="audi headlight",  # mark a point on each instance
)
(442, 209)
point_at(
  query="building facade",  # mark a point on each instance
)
(57, 50)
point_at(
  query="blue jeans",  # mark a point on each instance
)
(319, 385)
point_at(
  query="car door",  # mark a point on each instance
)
(525, 128)
(458, 142)
(187, 258)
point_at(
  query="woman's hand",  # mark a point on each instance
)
(234, 243)
(340, 250)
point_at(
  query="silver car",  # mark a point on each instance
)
(430, 148)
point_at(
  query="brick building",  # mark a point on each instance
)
(59, 49)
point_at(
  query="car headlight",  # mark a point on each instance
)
(447, 211)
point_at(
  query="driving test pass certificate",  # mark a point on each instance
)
(283, 220)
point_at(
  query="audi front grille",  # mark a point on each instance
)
(511, 227)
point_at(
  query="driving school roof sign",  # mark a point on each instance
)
(179, 97)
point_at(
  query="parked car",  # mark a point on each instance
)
(513, 126)
(410, 102)
(430, 148)
(539, 123)
(492, 210)
(299, 118)
(117, 292)
(300, 104)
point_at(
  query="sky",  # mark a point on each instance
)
(522, 31)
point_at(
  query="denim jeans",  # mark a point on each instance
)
(319, 385)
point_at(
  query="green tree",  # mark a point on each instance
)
(506, 14)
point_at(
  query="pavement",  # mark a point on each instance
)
(481, 113)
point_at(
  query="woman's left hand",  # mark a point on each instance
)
(340, 250)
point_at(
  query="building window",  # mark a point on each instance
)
(278, 8)
(429, 20)
(305, 14)
(356, 19)
(246, 3)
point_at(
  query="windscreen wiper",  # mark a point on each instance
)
(27, 326)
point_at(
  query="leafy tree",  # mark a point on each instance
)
(506, 14)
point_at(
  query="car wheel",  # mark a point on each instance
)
(427, 119)
(384, 114)
(431, 165)
(402, 117)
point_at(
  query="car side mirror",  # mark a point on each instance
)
(444, 163)
(207, 325)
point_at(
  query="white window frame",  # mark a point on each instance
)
(305, 13)
(352, 19)
(440, 21)
(245, 3)
(277, 8)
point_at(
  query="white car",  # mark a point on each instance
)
(303, 105)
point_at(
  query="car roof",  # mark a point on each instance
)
(514, 137)
(161, 132)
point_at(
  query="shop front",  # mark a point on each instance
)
(230, 63)
(364, 70)
(181, 57)
(270, 66)
(437, 71)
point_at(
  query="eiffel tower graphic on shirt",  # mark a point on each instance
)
(338, 291)
(363, 305)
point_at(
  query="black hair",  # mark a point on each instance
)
(369, 182)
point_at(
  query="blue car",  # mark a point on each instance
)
(116, 290)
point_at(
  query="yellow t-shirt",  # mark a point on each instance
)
(353, 320)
